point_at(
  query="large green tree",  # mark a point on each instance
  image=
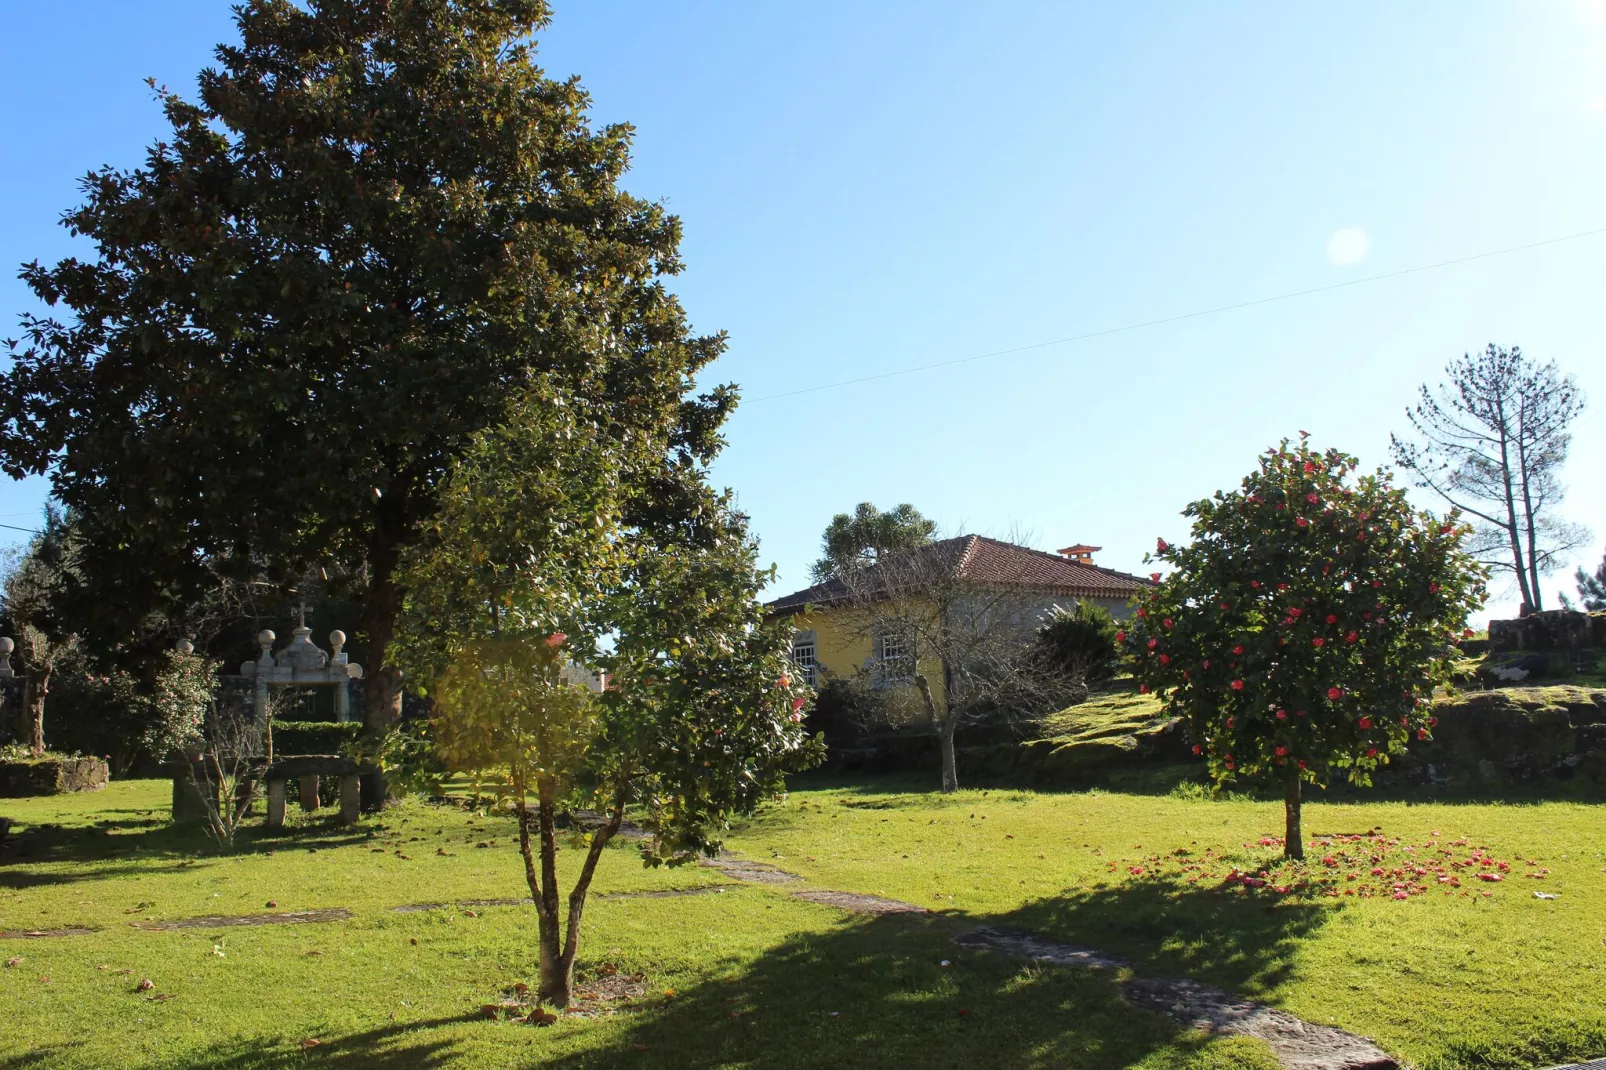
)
(1303, 631)
(377, 224)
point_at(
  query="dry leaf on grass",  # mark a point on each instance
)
(145, 985)
(13, 962)
(308, 1043)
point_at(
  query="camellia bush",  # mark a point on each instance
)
(1303, 631)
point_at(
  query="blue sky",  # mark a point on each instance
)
(871, 187)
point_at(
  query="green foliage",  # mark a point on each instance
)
(115, 714)
(1079, 642)
(704, 716)
(314, 737)
(372, 228)
(854, 540)
(1309, 621)
(1592, 588)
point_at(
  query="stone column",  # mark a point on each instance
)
(350, 798)
(276, 804)
(309, 793)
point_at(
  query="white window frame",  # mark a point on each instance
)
(806, 645)
(894, 657)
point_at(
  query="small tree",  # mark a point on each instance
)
(542, 549)
(1305, 628)
(1491, 442)
(924, 616)
(30, 593)
(1078, 644)
(1592, 589)
(855, 540)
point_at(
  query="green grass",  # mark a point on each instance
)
(1443, 980)
(1105, 714)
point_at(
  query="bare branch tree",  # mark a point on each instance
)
(963, 644)
(1491, 441)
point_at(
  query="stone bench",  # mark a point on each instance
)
(308, 770)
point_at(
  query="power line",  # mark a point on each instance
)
(1186, 315)
(14, 527)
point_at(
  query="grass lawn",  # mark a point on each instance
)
(759, 978)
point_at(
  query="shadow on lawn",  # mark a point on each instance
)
(873, 993)
(150, 840)
(1246, 943)
(374, 1048)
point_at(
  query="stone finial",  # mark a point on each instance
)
(337, 639)
(184, 647)
(266, 637)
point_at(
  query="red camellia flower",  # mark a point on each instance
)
(1237, 685)
(1207, 663)
(1309, 468)
(1302, 763)
(1165, 659)
(1143, 689)
(1467, 634)
(1282, 752)
(555, 640)
(1143, 613)
(1167, 622)
(1312, 498)
(1255, 584)
(1366, 722)
(1335, 693)
(1155, 576)
(1282, 586)
(1371, 752)
(1421, 733)
(1198, 749)
(1230, 722)
(1161, 545)
(1433, 722)
(1120, 637)
(1318, 641)
(1295, 612)
(1332, 618)
(1282, 715)
(1351, 637)
(1302, 522)
(1153, 643)
(1238, 649)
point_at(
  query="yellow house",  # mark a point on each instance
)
(831, 639)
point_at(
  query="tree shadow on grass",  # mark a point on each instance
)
(155, 843)
(1244, 941)
(874, 992)
(392, 1047)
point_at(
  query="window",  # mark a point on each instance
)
(894, 655)
(804, 658)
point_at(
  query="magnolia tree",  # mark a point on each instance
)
(541, 563)
(1302, 633)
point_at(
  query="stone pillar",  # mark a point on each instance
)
(276, 804)
(189, 804)
(350, 798)
(309, 793)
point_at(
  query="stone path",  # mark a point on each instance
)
(662, 893)
(1298, 1044)
(743, 870)
(34, 934)
(861, 904)
(219, 921)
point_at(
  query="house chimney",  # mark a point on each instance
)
(1081, 554)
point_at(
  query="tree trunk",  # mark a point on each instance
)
(34, 689)
(1293, 836)
(1528, 509)
(945, 734)
(577, 897)
(1528, 596)
(381, 697)
(557, 974)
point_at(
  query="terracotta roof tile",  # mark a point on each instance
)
(994, 563)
